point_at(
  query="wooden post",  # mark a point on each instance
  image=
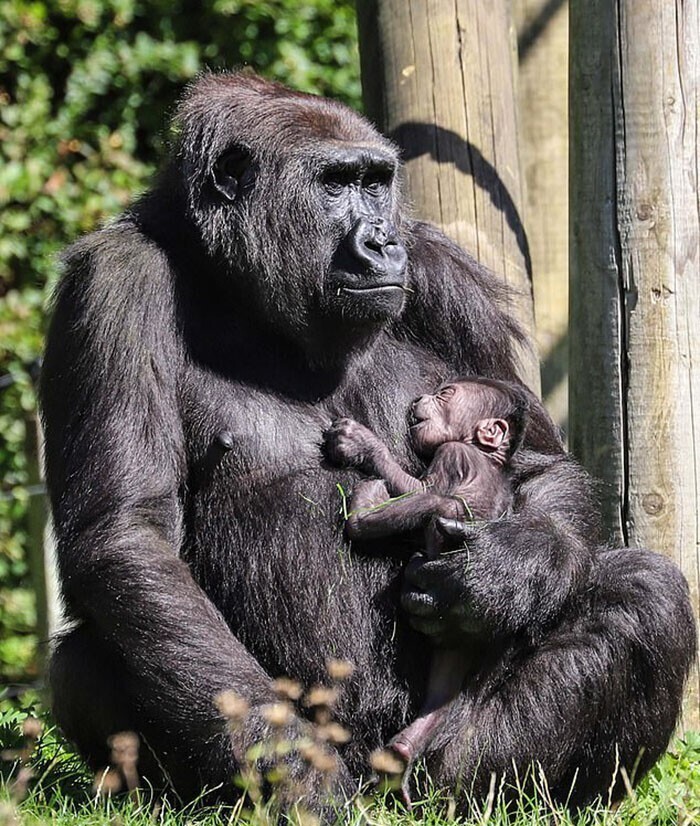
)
(438, 78)
(543, 96)
(635, 288)
(36, 522)
(40, 544)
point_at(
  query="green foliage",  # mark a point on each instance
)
(85, 91)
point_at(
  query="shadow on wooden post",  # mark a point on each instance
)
(635, 259)
(439, 78)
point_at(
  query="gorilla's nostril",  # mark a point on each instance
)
(380, 237)
(377, 242)
(375, 246)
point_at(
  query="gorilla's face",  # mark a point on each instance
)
(367, 273)
(306, 217)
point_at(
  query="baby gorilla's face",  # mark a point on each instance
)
(450, 415)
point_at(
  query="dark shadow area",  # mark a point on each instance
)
(553, 371)
(531, 33)
(445, 146)
(556, 365)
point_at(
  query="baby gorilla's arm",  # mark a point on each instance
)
(373, 514)
(350, 444)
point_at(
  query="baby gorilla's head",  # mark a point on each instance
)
(489, 413)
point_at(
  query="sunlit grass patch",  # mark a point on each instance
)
(43, 782)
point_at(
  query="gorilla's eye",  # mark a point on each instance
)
(375, 183)
(334, 182)
(232, 171)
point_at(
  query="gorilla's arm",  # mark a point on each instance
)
(115, 463)
(115, 455)
(517, 574)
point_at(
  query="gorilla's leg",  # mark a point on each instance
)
(89, 694)
(94, 698)
(601, 693)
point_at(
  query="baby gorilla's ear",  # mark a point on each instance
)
(492, 433)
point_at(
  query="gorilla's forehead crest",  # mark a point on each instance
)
(244, 104)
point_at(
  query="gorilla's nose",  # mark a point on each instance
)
(376, 245)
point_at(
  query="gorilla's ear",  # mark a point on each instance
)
(232, 171)
(492, 433)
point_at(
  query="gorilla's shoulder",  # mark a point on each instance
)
(457, 307)
(119, 256)
(115, 294)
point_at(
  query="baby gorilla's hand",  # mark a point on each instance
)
(348, 443)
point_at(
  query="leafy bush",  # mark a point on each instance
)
(85, 90)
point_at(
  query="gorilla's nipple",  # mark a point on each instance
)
(222, 444)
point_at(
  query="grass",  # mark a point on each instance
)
(61, 791)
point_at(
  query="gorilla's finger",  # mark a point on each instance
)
(457, 530)
(418, 603)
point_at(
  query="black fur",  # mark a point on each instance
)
(200, 345)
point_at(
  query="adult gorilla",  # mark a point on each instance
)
(200, 345)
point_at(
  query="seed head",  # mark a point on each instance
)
(339, 669)
(8, 814)
(125, 749)
(386, 762)
(321, 695)
(319, 758)
(278, 714)
(333, 733)
(287, 689)
(31, 728)
(232, 706)
(107, 782)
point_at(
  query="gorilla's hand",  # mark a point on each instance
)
(348, 443)
(501, 578)
(436, 592)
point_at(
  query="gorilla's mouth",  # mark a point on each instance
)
(368, 302)
(371, 288)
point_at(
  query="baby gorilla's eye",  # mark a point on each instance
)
(445, 393)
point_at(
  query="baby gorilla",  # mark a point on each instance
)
(468, 431)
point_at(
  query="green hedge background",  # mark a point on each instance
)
(85, 91)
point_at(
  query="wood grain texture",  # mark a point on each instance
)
(543, 110)
(438, 77)
(635, 403)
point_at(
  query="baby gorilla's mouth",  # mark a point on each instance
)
(414, 420)
(419, 412)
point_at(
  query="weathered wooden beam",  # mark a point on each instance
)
(543, 111)
(438, 78)
(635, 261)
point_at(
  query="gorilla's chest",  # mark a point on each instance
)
(250, 437)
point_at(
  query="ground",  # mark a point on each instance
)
(43, 782)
